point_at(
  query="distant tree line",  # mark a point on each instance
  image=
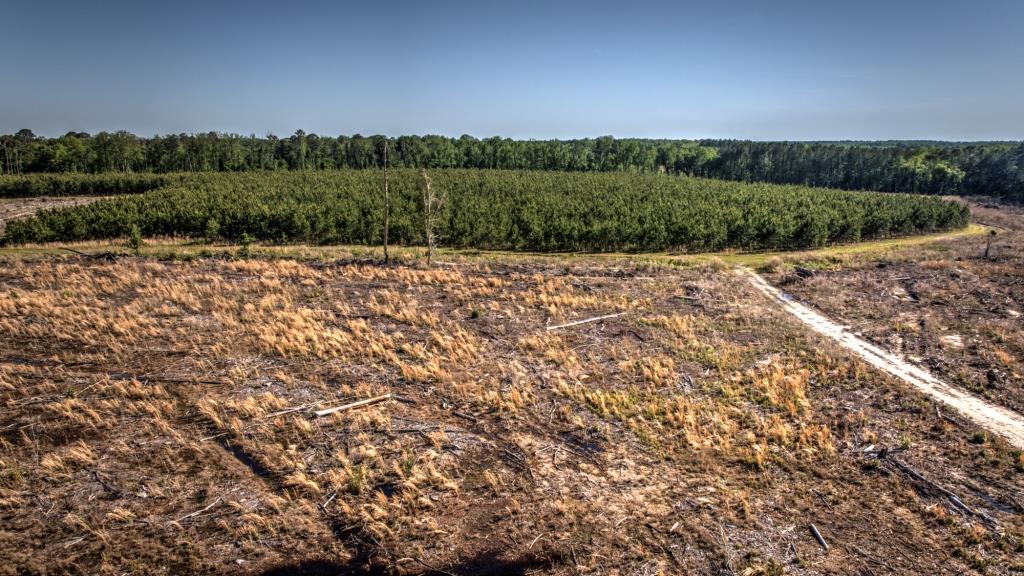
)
(498, 209)
(991, 168)
(985, 169)
(24, 152)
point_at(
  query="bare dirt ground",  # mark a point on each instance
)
(14, 208)
(993, 418)
(158, 417)
(943, 305)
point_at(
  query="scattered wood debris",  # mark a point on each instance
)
(819, 537)
(359, 404)
(587, 321)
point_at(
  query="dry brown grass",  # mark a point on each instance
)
(160, 414)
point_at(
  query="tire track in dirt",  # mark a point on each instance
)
(995, 419)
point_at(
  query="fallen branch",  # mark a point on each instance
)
(108, 256)
(429, 567)
(953, 498)
(804, 272)
(290, 410)
(73, 541)
(1014, 501)
(465, 416)
(328, 501)
(112, 490)
(823, 500)
(819, 537)
(198, 512)
(690, 298)
(872, 559)
(588, 320)
(947, 417)
(181, 380)
(359, 404)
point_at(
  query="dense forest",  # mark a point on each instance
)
(990, 169)
(985, 169)
(499, 209)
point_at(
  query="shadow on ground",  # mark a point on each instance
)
(485, 563)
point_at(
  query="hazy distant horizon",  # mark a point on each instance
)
(795, 71)
(568, 138)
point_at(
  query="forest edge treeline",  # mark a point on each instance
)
(984, 168)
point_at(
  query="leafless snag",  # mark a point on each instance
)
(432, 204)
(988, 244)
(387, 204)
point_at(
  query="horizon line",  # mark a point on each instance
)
(269, 134)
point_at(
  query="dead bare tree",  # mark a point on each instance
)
(432, 203)
(387, 203)
(988, 245)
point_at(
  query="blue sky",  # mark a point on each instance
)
(742, 69)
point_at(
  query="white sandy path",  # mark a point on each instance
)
(15, 208)
(995, 419)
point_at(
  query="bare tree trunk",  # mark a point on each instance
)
(988, 245)
(387, 203)
(428, 224)
(431, 206)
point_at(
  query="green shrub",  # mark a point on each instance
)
(245, 245)
(135, 239)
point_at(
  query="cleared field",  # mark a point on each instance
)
(941, 304)
(993, 418)
(163, 414)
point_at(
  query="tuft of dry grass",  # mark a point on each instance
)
(715, 264)
(772, 264)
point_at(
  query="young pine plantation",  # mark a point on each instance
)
(484, 209)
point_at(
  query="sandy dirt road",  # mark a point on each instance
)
(15, 208)
(995, 419)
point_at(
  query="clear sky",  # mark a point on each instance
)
(815, 69)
